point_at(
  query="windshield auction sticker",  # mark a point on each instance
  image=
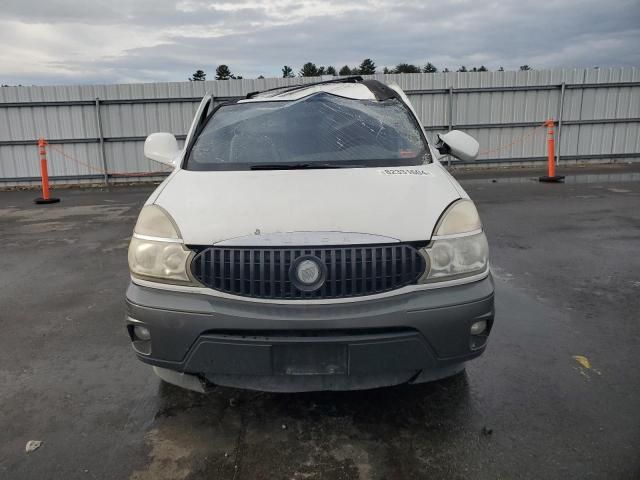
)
(404, 171)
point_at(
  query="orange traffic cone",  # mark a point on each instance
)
(46, 197)
(551, 176)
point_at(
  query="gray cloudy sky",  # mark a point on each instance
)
(107, 41)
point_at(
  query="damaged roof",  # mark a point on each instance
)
(349, 87)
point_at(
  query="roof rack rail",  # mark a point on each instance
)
(291, 88)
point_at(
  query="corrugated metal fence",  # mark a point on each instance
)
(96, 132)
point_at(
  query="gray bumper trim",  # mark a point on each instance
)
(231, 339)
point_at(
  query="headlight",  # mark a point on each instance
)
(154, 221)
(460, 246)
(160, 258)
(457, 257)
(461, 217)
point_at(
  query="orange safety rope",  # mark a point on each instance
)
(100, 170)
(65, 155)
(518, 140)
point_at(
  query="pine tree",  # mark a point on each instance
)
(331, 70)
(345, 71)
(407, 68)
(198, 76)
(430, 68)
(462, 69)
(482, 68)
(525, 67)
(367, 67)
(309, 70)
(287, 72)
(223, 73)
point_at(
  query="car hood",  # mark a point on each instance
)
(402, 203)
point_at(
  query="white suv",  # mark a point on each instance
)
(309, 239)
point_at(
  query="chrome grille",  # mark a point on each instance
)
(350, 271)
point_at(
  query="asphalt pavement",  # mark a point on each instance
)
(555, 396)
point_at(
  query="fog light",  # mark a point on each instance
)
(142, 333)
(478, 327)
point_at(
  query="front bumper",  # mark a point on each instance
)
(412, 337)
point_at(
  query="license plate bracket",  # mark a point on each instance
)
(310, 359)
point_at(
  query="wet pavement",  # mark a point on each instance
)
(556, 395)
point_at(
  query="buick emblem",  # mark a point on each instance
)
(307, 273)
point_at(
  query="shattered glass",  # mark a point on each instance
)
(324, 128)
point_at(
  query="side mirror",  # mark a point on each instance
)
(458, 144)
(161, 147)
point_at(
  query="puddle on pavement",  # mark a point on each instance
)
(582, 179)
(62, 212)
(233, 433)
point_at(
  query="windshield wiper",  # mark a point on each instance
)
(296, 166)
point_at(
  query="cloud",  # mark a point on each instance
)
(73, 41)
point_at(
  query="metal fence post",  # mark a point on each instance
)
(561, 110)
(450, 118)
(103, 156)
(450, 108)
(584, 79)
